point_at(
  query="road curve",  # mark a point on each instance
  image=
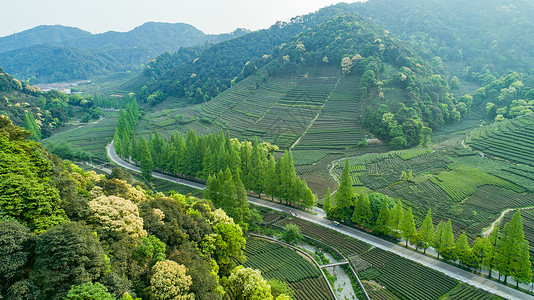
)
(319, 219)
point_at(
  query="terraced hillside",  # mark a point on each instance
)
(336, 126)
(455, 182)
(398, 278)
(512, 140)
(307, 111)
(278, 262)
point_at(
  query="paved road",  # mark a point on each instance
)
(452, 271)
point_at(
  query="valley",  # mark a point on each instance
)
(170, 163)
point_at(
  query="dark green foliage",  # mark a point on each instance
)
(67, 254)
(121, 174)
(15, 244)
(66, 151)
(291, 234)
(482, 34)
(145, 161)
(230, 195)
(25, 192)
(204, 282)
(23, 290)
(217, 67)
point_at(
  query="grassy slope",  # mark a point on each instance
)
(92, 137)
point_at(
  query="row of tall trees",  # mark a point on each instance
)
(252, 164)
(506, 251)
(126, 125)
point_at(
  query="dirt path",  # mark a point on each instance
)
(488, 231)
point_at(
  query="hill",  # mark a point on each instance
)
(41, 112)
(44, 63)
(44, 34)
(28, 57)
(201, 74)
(314, 84)
(491, 37)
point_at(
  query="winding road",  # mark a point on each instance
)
(319, 219)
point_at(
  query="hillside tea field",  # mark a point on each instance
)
(402, 278)
(512, 140)
(276, 261)
(455, 182)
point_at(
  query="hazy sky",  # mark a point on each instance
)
(210, 16)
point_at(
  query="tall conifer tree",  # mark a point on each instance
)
(344, 193)
(408, 227)
(447, 242)
(382, 222)
(426, 232)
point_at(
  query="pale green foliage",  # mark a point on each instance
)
(247, 283)
(382, 222)
(169, 281)
(408, 227)
(118, 215)
(327, 204)
(426, 232)
(343, 197)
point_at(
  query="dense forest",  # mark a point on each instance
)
(58, 53)
(419, 53)
(483, 34)
(67, 233)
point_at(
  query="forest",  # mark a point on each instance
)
(64, 228)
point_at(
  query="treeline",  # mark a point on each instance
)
(507, 97)
(505, 251)
(362, 48)
(214, 156)
(70, 234)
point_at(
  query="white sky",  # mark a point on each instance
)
(96, 16)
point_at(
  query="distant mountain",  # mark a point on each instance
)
(44, 34)
(52, 63)
(57, 53)
(149, 35)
